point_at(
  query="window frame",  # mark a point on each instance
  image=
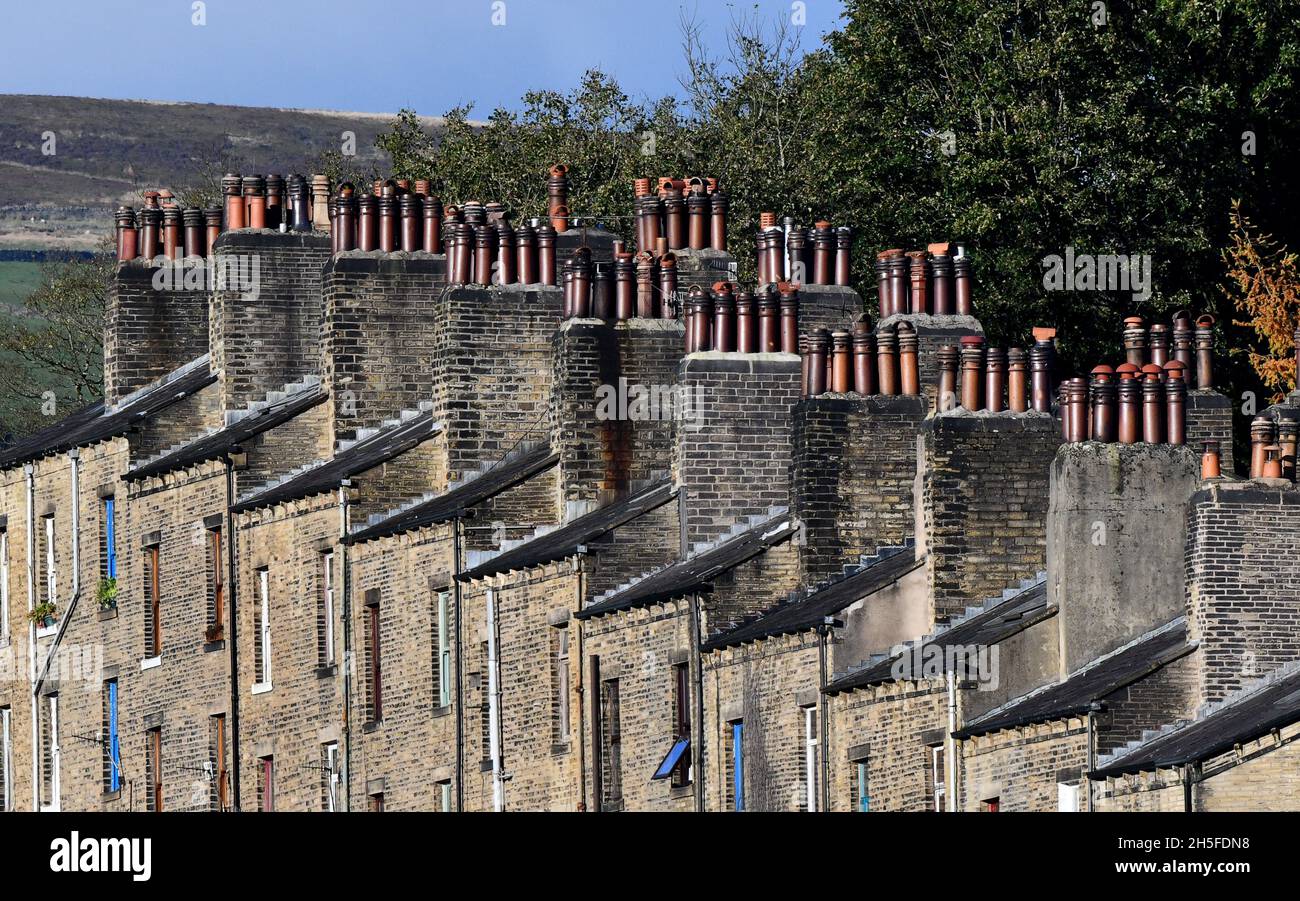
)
(108, 524)
(442, 650)
(51, 711)
(374, 662)
(811, 754)
(561, 685)
(153, 768)
(111, 741)
(220, 773)
(330, 776)
(938, 777)
(325, 630)
(6, 760)
(216, 584)
(153, 601)
(263, 674)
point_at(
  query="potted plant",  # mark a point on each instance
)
(107, 593)
(42, 614)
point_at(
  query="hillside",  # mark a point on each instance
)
(108, 150)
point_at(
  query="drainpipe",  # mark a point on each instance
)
(1189, 780)
(29, 471)
(494, 703)
(456, 530)
(697, 740)
(1093, 708)
(950, 754)
(232, 593)
(828, 623)
(344, 516)
(582, 692)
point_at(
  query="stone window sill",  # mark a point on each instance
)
(327, 672)
(442, 710)
(107, 614)
(211, 646)
(47, 631)
(261, 688)
(150, 662)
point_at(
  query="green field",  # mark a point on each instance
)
(17, 282)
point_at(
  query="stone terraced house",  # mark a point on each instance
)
(364, 540)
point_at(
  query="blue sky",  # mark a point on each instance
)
(428, 55)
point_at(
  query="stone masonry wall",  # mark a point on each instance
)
(852, 476)
(1243, 587)
(148, 332)
(733, 459)
(983, 503)
(267, 337)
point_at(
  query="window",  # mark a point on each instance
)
(859, 796)
(733, 787)
(808, 760)
(220, 776)
(611, 745)
(266, 784)
(376, 802)
(262, 635)
(991, 805)
(153, 604)
(107, 539)
(216, 587)
(441, 653)
(374, 671)
(1067, 797)
(48, 587)
(153, 769)
(111, 747)
(485, 705)
(329, 776)
(560, 683)
(4, 585)
(6, 759)
(50, 754)
(682, 721)
(444, 796)
(937, 781)
(325, 612)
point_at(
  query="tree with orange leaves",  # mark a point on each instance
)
(1264, 285)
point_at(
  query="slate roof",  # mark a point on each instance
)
(997, 620)
(807, 609)
(1272, 703)
(564, 541)
(358, 457)
(1092, 682)
(504, 475)
(695, 573)
(97, 422)
(261, 417)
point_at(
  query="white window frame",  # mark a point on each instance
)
(444, 651)
(4, 587)
(7, 758)
(810, 755)
(332, 763)
(444, 792)
(937, 776)
(1068, 797)
(328, 600)
(51, 580)
(264, 627)
(55, 754)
